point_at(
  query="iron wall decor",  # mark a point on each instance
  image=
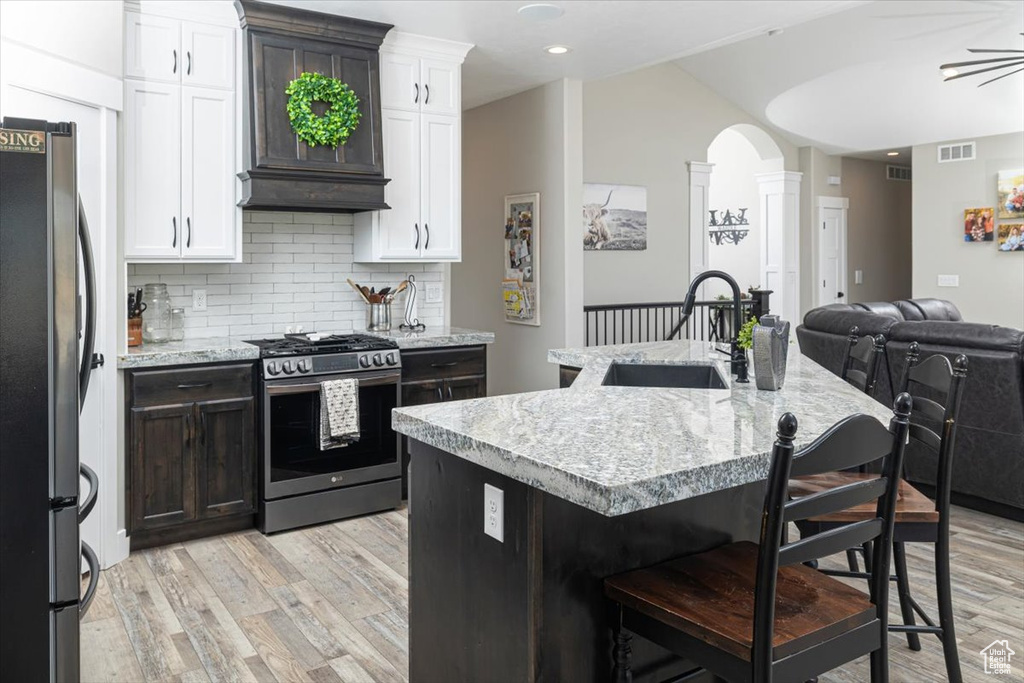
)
(730, 229)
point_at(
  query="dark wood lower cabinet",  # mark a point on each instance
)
(191, 463)
(438, 375)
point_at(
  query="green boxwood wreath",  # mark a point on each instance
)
(337, 123)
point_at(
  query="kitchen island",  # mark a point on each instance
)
(595, 480)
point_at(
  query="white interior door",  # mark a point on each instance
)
(208, 179)
(441, 183)
(831, 255)
(401, 229)
(152, 170)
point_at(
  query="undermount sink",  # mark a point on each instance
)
(664, 376)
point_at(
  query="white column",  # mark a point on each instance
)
(779, 195)
(700, 183)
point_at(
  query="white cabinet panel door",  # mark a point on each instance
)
(208, 178)
(441, 184)
(209, 55)
(401, 230)
(153, 48)
(440, 84)
(152, 170)
(400, 82)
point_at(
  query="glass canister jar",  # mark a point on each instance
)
(156, 320)
(177, 324)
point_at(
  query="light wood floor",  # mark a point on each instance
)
(330, 603)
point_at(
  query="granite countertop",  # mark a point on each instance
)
(230, 349)
(617, 450)
(434, 337)
(188, 352)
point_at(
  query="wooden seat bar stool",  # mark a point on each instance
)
(917, 518)
(756, 613)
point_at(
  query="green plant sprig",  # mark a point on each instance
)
(745, 339)
(338, 122)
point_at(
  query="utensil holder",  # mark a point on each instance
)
(135, 331)
(771, 348)
(378, 317)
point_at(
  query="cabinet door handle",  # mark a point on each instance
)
(188, 224)
(440, 396)
(417, 226)
(426, 245)
(426, 86)
(202, 428)
(174, 226)
(174, 69)
(449, 387)
(200, 385)
(416, 97)
(188, 69)
(445, 365)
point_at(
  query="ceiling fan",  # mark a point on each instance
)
(1000, 63)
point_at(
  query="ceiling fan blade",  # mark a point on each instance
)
(1003, 76)
(981, 71)
(979, 49)
(953, 65)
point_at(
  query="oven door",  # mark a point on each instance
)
(293, 463)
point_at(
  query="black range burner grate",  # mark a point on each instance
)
(301, 345)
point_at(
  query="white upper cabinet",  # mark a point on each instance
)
(209, 56)
(152, 169)
(181, 135)
(441, 89)
(422, 127)
(152, 48)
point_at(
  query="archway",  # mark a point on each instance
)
(757, 240)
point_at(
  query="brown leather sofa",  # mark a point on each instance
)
(988, 468)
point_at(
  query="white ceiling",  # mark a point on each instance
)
(606, 37)
(868, 79)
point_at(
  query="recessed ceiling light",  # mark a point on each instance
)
(557, 49)
(892, 154)
(541, 11)
(949, 73)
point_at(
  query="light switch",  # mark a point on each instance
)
(858, 277)
(948, 280)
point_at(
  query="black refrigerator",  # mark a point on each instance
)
(46, 354)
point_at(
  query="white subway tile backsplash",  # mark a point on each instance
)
(293, 272)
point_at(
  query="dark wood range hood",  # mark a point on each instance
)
(282, 172)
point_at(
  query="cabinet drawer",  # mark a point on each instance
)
(164, 387)
(442, 363)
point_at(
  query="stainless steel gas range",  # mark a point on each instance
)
(300, 484)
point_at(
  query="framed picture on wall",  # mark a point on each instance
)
(1011, 237)
(1010, 190)
(979, 226)
(520, 288)
(614, 217)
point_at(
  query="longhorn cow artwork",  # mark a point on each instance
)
(614, 217)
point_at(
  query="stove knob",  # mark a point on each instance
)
(273, 368)
(377, 360)
(391, 359)
(305, 365)
(364, 361)
(289, 367)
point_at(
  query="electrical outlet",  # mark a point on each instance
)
(858, 277)
(948, 280)
(494, 512)
(198, 300)
(434, 293)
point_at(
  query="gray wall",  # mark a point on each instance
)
(529, 142)
(991, 282)
(641, 128)
(878, 232)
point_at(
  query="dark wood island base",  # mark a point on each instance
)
(532, 608)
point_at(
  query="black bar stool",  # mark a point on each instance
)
(755, 612)
(863, 357)
(917, 519)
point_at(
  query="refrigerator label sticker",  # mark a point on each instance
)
(31, 141)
